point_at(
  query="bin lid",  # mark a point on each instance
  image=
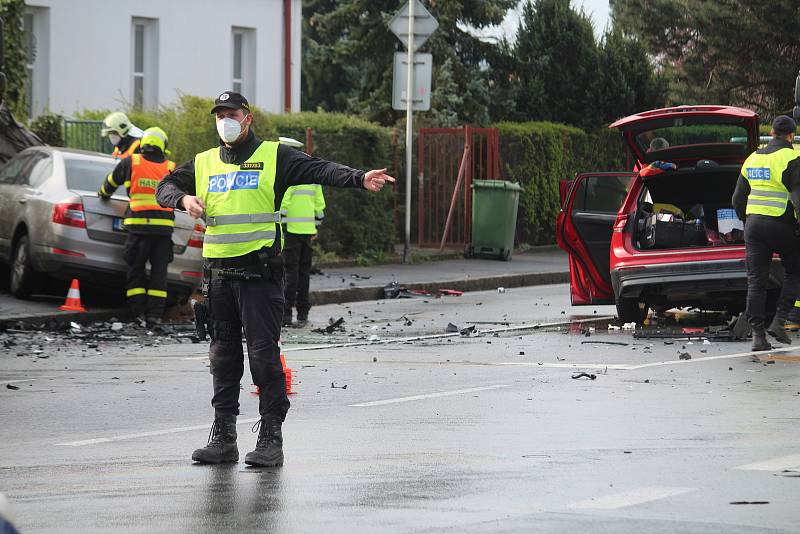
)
(497, 184)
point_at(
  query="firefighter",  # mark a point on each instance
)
(238, 188)
(149, 226)
(122, 134)
(766, 197)
(302, 210)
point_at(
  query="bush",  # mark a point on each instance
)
(539, 155)
(50, 128)
(356, 222)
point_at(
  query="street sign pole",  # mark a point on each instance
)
(409, 129)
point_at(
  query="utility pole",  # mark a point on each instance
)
(409, 130)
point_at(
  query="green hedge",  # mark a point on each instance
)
(539, 155)
(356, 222)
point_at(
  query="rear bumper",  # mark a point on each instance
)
(688, 283)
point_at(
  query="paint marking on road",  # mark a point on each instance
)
(631, 497)
(25, 380)
(710, 358)
(775, 464)
(124, 437)
(620, 366)
(427, 396)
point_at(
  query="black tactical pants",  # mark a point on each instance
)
(256, 306)
(764, 236)
(147, 296)
(297, 254)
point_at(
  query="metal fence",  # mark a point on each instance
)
(85, 135)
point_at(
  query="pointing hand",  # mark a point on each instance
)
(375, 179)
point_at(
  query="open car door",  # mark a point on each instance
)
(584, 230)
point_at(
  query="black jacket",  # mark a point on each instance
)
(790, 179)
(293, 168)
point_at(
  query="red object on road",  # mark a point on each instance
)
(692, 330)
(73, 301)
(451, 292)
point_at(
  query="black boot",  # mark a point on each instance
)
(777, 330)
(287, 319)
(221, 447)
(269, 447)
(760, 339)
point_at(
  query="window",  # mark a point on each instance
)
(243, 59)
(40, 171)
(87, 174)
(36, 26)
(144, 77)
(15, 167)
(601, 194)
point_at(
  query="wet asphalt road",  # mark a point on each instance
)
(465, 434)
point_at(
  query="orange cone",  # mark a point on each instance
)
(73, 302)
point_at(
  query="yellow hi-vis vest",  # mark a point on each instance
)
(303, 208)
(764, 173)
(240, 201)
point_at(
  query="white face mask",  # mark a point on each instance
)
(229, 129)
(114, 138)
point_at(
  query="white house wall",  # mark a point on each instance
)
(89, 50)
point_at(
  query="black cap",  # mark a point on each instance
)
(784, 124)
(231, 100)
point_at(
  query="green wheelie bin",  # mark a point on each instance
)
(494, 218)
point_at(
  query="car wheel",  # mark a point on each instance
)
(631, 310)
(23, 276)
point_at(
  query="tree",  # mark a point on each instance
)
(557, 65)
(348, 54)
(628, 82)
(738, 52)
(11, 12)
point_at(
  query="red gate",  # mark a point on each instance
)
(449, 160)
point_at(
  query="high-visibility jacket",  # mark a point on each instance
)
(764, 172)
(141, 186)
(240, 201)
(128, 152)
(303, 208)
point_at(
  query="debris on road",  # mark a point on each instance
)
(593, 342)
(11, 386)
(450, 292)
(685, 356)
(501, 290)
(579, 376)
(629, 326)
(334, 386)
(451, 328)
(468, 331)
(750, 502)
(332, 327)
(360, 277)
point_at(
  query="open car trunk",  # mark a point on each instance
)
(689, 208)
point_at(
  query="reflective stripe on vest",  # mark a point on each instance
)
(128, 151)
(147, 221)
(144, 180)
(232, 193)
(301, 207)
(243, 219)
(764, 172)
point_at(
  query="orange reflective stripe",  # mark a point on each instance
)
(128, 152)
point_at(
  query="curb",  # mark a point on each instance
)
(355, 294)
(65, 317)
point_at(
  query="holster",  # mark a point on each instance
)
(271, 266)
(202, 320)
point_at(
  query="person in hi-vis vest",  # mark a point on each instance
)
(766, 198)
(149, 226)
(238, 187)
(302, 210)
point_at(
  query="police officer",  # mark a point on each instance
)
(767, 195)
(302, 210)
(149, 226)
(238, 188)
(122, 134)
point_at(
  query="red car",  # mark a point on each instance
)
(664, 235)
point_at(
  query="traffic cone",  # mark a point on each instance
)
(287, 374)
(73, 301)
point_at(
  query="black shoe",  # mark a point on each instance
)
(777, 330)
(300, 323)
(287, 320)
(221, 447)
(269, 447)
(760, 341)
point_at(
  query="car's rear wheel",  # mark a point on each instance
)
(23, 276)
(631, 310)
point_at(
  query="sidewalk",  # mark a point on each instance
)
(540, 266)
(545, 265)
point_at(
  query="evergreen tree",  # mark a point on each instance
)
(15, 97)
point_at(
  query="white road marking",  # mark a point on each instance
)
(631, 497)
(775, 464)
(25, 380)
(124, 437)
(427, 396)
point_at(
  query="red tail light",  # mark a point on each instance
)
(621, 223)
(196, 239)
(69, 214)
(68, 252)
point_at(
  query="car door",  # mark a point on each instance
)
(10, 175)
(584, 230)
